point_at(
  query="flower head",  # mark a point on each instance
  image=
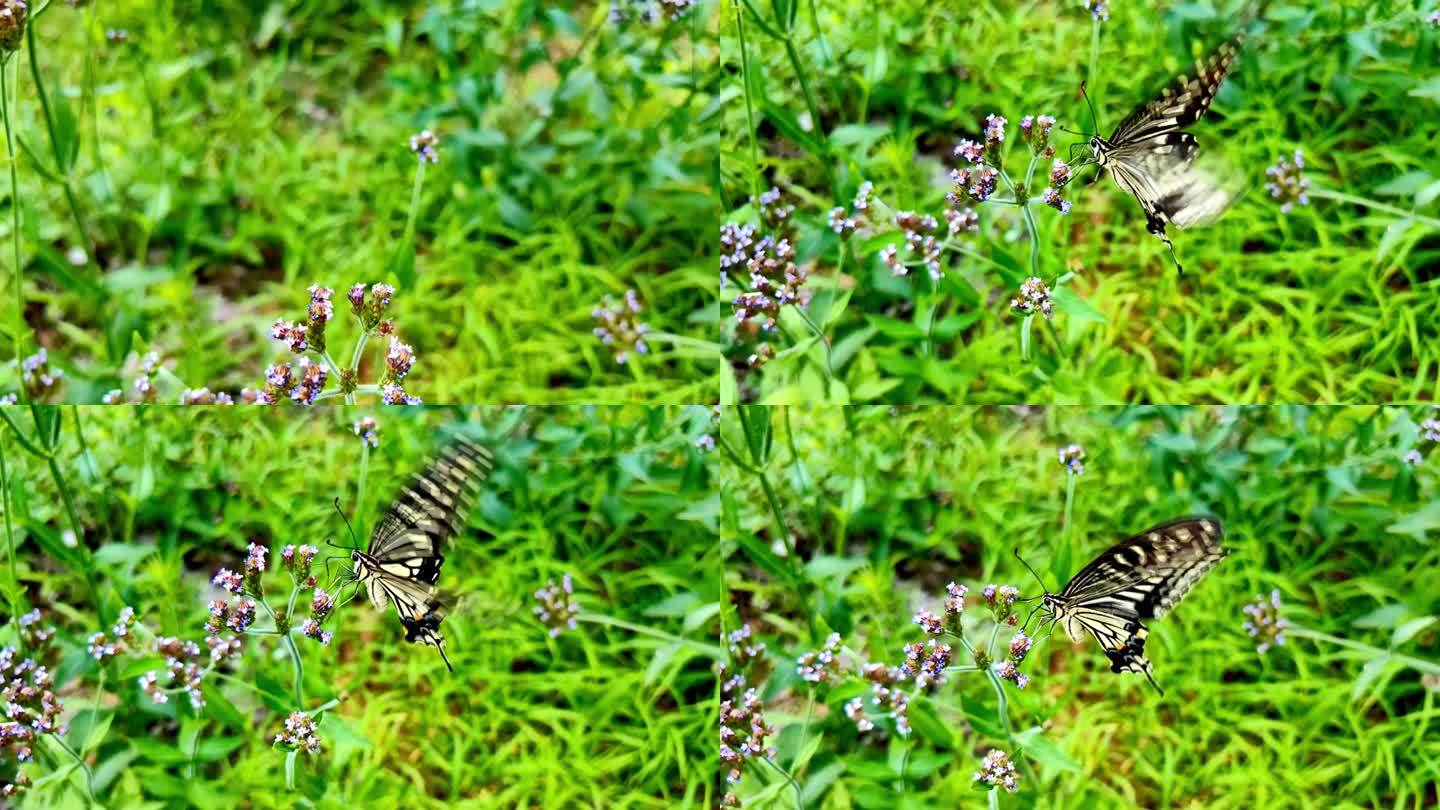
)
(1034, 298)
(822, 667)
(398, 359)
(997, 769)
(300, 733)
(1072, 458)
(743, 730)
(743, 649)
(425, 146)
(36, 376)
(368, 430)
(1288, 183)
(619, 326)
(13, 15)
(557, 609)
(1265, 624)
(1099, 9)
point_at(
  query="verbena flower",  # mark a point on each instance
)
(1265, 624)
(204, 396)
(557, 609)
(887, 697)
(1430, 430)
(1288, 184)
(1035, 131)
(1099, 9)
(313, 377)
(298, 559)
(822, 667)
(929, 622)
(996, 769)
(772, 278)
(394, 394)
(1001, 600)
(425, 146)
(102, 647)
(229, 580)
(620, 327)
(925, 663)
(919, 231)
(1413, 458)
(855, 710)
(743, 649)
(1072, 458)
(183, 673)
(13, 15)
(954, 607)
(300, 733)
(36, 375)
(29, 707)
(743, 730)
(368, 430)
(1034, 299)
(705, 443)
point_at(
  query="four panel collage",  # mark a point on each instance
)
(1053, 424)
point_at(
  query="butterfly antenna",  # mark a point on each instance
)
(1094, 119)
(347, 525)
(1032, 571)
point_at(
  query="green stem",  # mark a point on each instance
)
(1418, 664)
(299, 679)
(749, 105)
(84, 766)
(1066, 534)
(364, 471)
(1004, 710)
(1328, 194)
(799, 796)
(20, 328)
(74, 518)
(14, 589)
(408, 240)
(1093, 76)
(610, 621)
(62, 168)
(815, 328)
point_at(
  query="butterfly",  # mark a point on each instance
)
(403, 560)
(1151, 156)
(1133, 581)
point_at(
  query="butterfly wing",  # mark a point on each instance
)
(405, 548)
(1139, 579)
(1183, 102)
(1152, 159)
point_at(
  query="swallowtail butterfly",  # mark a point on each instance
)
(1139, 579)
(1151, 156)
(404, 558)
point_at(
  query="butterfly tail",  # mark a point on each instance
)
(1147, 677)
(440, 645)
(1157, 227)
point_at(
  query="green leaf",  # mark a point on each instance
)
(1411, 629)
(335, 728)
(1418, 524)
(1370, 673)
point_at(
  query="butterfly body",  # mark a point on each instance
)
(1132, 582)
(403, 561)
(1151, 157)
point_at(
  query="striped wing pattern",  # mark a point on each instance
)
(1152, 159)
(404, 559)
(1137, 580)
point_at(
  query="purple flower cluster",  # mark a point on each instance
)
(321, 603)
(1288, 183)
(1034, 298)
(925, 663)
(1035, 132)
(1099, 9)
(742, 646)
(620, 327)
(368, 430)
(371, 310)
(1059, 176)
(13, 16)
(775, 280)
(1009, 668)
(1001, 600)
(37, 377)
(101, 646)
(297, 560)
(29, 706)
(919, 231)
(822, 667)
(1265, 624)
(1072, 458)
(557, 609)
(300, 733)
(648, 11)
(743, 729)
(887, 697)
(184, 673)
(997, 770)
(426, 146)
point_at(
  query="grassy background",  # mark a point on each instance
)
(1332, 303)
(251, 151)
(599, 717)
(888, 505)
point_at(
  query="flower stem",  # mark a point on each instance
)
(1005, 722)
(799, 797)
(1418, 664)
(299, 679)
(749, 104)
(610, 621)
(84, 766)
(13, 593)
(1378, 206)
(20, 327)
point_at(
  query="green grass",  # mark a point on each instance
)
(603, 716)
(249, 155)
(886, 506)
(1332, 303)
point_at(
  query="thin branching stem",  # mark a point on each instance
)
(18, 273)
